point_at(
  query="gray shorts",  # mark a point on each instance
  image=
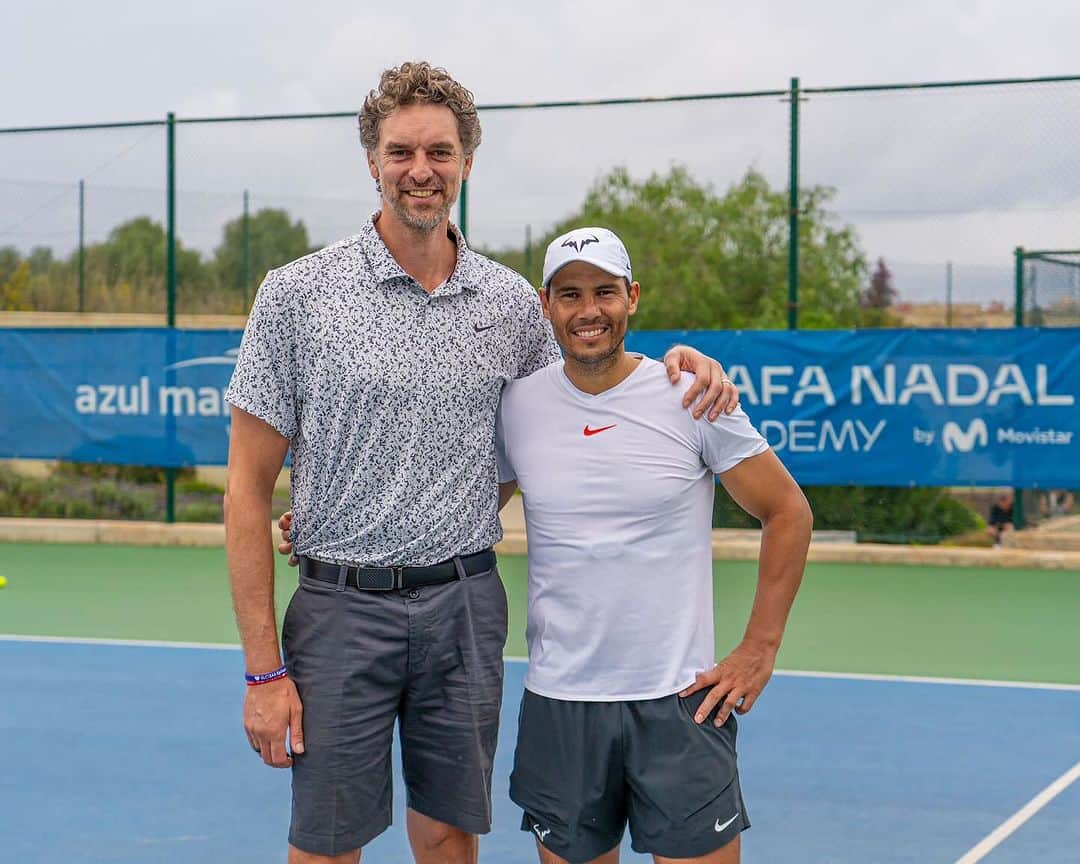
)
(430, 658)
(584, 770)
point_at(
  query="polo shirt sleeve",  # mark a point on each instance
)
(729, 440)
(537, 347)
(502, 460)
(264, 381)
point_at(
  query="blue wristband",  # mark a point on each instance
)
(266, 677)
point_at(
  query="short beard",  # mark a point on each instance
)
(602, 363)
(419, 224)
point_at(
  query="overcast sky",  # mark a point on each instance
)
(925, 177)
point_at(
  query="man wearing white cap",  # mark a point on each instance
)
(625, 718)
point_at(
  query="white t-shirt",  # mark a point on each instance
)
(618, 491)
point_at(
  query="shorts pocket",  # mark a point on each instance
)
(709, 757)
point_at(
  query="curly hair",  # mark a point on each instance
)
(419, 83)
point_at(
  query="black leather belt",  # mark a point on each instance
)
(391, 578)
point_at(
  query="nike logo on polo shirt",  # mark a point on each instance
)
(589, 431)
(480, 329)
(718, 827)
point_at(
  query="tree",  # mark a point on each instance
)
(273, 240)
(14, 293)
(127, 273)
(9, 260)
(711, 261)
(881, 294)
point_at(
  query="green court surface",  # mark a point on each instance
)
(901, 620)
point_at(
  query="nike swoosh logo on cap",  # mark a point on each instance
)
(718, 827)
(589, 431)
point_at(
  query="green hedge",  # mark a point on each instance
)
(880, 514)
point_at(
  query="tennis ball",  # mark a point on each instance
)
(3, 581)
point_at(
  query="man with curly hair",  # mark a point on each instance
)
(380, 361)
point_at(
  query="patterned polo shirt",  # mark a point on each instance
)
(387, 395)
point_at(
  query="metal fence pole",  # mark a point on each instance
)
(170, 220)
(528, 253)
(246, 253)
(948, 293)
(793, 212)
(463, 209)
(170, 276)
(82, 245)
(1018, 284)
(1018, 321)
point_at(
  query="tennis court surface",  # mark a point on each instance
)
(933, 716)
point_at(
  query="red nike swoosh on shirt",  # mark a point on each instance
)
(589, 431)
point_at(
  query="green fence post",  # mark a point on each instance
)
(170, 220)
(246, 255)
(463, 209)
(170, 276)
(82, 245)
(948, 293)
(528, 253)
(1018, 284)
(793, 212)
(1018, 321)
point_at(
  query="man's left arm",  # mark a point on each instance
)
(762, 486)
(712, 390)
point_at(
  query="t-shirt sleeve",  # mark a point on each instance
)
(537, 347)
(502, 460)
(264, 381)
(728, 440)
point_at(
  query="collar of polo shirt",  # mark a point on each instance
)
(466, 273)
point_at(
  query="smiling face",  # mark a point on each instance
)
(589, 310)
(420, 164)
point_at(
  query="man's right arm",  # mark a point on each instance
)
(256, 454)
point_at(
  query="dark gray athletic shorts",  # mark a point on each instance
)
(583, 770)
(430, 658)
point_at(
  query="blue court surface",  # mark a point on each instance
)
(134, 753)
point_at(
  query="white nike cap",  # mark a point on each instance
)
(597, 246)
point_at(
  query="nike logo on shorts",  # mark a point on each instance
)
(589, 431)
(543, 832)
(718, 827)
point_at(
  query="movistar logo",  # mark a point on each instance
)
(578, 245)
(954, 438)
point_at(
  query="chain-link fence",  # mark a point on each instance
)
(1049, 284)
(932, 186)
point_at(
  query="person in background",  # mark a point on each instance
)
(1001, 516)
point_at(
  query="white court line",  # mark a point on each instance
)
(923, 679)
(996, 837)
(789, 673)
(128, 643)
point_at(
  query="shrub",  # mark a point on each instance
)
(882, 514)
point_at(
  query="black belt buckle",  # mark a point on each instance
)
(380, 578)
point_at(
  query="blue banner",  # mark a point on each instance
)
(907, 407)
(126, 396)
(869, 407)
